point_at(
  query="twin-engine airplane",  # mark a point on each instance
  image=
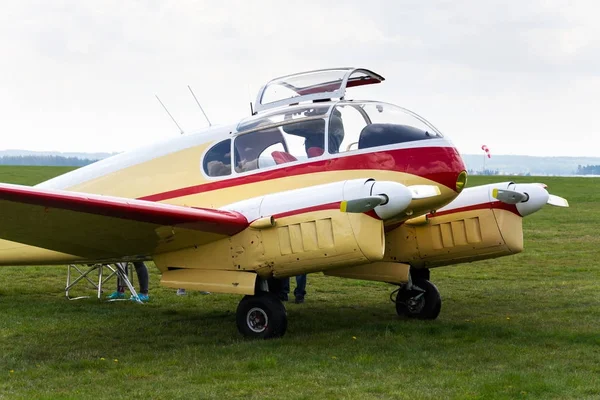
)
(310, 182)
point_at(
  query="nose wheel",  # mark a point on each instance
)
(262, 316)
(419, 300)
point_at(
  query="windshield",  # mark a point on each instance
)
(362, 125)
(391, 114)
(297, 134)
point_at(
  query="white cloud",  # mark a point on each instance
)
(81, 75)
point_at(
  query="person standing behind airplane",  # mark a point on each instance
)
(313, 132)
(142, 274)
(299, 291)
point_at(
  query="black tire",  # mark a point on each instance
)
(422, 302)
(261, 317)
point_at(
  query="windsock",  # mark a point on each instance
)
(487, 151)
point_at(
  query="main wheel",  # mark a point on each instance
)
(422, 301)
(261, 316)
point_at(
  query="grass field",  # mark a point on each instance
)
(526, 326)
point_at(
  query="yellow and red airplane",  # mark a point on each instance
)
(310, 182)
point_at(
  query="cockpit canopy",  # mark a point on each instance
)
(319, 130)
(325, 84)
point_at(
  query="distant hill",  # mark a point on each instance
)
(49, 158)
(47, 161)
(17, 152)
(528, 165)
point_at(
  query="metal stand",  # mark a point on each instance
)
(119, 270)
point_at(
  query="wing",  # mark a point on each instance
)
(99, 227)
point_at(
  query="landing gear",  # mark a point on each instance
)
(262, 316)
(419, 299)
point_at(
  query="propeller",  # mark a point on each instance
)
(528, 197)
(365, 204)
(557, 201)
(509, 196)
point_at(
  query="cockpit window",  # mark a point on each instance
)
(319, 85)
(353, 120)
(306, 139)
(371, 124)
(280, 144)
(278, 116)
(217, 161)
(336, 132)
(301, 84)
(381, 113)
(251, 146)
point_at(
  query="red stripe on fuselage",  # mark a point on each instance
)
(498, 205)
(439, 164)
(320, 207)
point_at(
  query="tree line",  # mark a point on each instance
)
(588, 170)
(46, 160)
(484, 172)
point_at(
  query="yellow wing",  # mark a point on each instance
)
(102, 228)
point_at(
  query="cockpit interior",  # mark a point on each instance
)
(306, 132)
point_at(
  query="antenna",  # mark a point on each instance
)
(250, 100)
(197, 102)
(161, 103)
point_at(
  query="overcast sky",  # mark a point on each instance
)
(522, 77)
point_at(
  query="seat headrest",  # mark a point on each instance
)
(281, 157)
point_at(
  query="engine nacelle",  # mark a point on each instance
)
(456, 237)
(291, 245)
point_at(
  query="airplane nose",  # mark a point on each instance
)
(443, 165)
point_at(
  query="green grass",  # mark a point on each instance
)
(526, 326)
(30, 175)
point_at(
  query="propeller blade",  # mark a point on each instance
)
(362, 205)
(369, 203)
(509, 196)
(557, 201)
(424, 191)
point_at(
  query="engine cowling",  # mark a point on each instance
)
(482, 222)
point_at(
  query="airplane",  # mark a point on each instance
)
(310, 182)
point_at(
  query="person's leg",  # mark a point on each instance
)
(120, 282)
(279, 287)
(120, 292)
(142, 274)
(300, 290)
(285, 288)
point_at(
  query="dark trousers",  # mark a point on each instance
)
(142, 275)
(299, 291)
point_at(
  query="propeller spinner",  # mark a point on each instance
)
(528, 197)
(408, 193)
